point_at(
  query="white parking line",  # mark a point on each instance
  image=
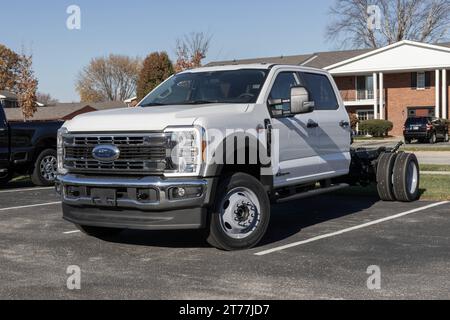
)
(365, 225)
(29, 189)
(72, 232)
(31, 206)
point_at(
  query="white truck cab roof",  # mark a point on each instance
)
(256, 66)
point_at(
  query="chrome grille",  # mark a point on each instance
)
(138, 153)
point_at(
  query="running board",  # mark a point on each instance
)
(312, 193)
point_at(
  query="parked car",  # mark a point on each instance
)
(213, 148)
(28, 148)
(425, 130)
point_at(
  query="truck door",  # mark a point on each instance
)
(4, 143)
(333, 129)
(298, 140)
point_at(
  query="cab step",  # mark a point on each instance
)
(312, 193)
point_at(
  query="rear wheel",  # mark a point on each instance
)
(446, 137)
(385, 173)
(99, 231)
(45, 168)
(406, 177)
(241, 214)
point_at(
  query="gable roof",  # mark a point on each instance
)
(402, 55)
(7, 95)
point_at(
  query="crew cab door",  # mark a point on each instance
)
(4, 142)
(297, 136)
(334, 132)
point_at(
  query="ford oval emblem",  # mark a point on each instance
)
(106, 153)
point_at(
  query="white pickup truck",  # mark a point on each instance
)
(213, 148)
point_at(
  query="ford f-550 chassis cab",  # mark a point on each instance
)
(213, 148)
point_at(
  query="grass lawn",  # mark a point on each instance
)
(435, 167)
(362, 138)
(416, 149)
(433, 187)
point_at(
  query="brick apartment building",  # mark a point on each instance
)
(395, 82)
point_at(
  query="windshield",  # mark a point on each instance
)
(418, 121)
(234, 86)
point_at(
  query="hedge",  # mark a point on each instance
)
(376, 128)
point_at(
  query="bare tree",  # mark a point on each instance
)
(191, 49)
(46, 99)
(110, 78)
(416, 20)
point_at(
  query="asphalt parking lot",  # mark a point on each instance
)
(319, 248)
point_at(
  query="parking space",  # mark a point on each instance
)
(315, 248)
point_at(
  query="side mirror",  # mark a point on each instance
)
(300, 102)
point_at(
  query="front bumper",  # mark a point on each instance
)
(148, 203)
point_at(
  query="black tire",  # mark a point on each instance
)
(385, 171)
(217, 235)
(406, 177)
(99, 232)
(42, 174)
(433, 138)
(408, 141)
(446, 137)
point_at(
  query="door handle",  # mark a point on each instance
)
(344, 124)
(312, 124)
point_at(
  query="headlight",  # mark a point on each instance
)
(187, 151)
(60, 150)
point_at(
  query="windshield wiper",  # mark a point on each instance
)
(153, 104)
(193, 102)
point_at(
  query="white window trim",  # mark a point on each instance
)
(421, 73)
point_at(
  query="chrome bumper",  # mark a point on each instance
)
(76, 190)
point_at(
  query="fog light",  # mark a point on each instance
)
(180, 192)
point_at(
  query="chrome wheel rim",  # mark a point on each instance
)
(240, 213)
(48, 168)
(412, 177)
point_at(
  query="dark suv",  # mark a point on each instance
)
(426, 129)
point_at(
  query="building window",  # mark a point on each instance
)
(421, 83)
(363, 115)
(364, 87)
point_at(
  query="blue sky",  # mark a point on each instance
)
(240, 29)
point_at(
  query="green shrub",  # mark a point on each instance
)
(376, 128)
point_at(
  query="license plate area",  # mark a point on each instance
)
(104, 197)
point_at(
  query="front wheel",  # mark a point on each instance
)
(45, 168)
(446, 138)
(241, 214)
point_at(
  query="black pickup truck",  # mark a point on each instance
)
(28, 148)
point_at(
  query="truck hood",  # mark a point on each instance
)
(149, 118)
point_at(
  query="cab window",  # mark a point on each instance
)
(321, 91)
